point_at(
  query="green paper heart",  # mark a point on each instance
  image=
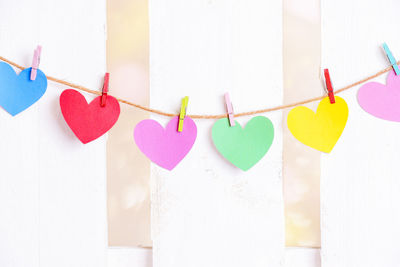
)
(243, 147)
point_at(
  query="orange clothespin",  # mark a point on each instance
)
(35, 62)
(104, 91)
(329, 87)
(229, 109)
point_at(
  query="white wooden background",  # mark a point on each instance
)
(205, 212)
(360, 181)
(52, 187)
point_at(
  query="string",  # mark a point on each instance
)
(194, 116)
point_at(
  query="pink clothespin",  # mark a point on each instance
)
(35, 62)
(229, 108)
(329, 86)
(104, 91)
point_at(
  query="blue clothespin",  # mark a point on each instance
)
(391, 59)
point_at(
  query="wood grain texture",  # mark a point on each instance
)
(207, 212)
(360, 182)
(141, 257)
(52, 187)
(301, 164)
(129, 257)
(302, 257)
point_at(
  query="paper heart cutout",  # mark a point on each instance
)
(319, 130)
(382, 101)
(18, 92)
(88, 121)
(243, 147)
(165, 147)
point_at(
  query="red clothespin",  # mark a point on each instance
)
(329, 86)
(35, 62)
(229, 108)
(104, 91)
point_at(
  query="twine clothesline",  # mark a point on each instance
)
(218, 116)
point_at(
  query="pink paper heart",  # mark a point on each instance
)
(165, 147)
(382, 101)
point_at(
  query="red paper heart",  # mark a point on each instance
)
(88, 121)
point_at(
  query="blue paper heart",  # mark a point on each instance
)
(18, 92)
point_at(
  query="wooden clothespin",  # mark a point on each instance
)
(329, 87)
(182, 114)
(391, 58)
(229, 109)
(104, 91)
(35, 62)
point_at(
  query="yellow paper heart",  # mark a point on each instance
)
(319, 130)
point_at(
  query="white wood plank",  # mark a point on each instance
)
(52, 188)
(302, 257)
(360, 183)
(142, 257)
(207, 212)
(129, 257)
(301, 168)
